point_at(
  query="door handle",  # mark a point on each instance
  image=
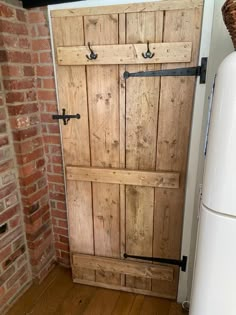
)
(64, 117)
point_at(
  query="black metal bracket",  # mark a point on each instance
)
(181, 263)
(191, 71)
(65, 117)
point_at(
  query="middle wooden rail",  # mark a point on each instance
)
(123, 176)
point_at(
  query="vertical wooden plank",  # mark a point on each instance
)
(122, 97)
(103, 99)
(175, 113)
(72, 93)
(142, 98)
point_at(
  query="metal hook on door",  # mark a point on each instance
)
(148, 53)
(92, 55)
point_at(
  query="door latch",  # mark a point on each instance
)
(65, 117)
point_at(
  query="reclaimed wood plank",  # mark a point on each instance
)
(128, 267)
(72, 92)
(125, 54)
(123, 176)
(142, 101)
(103, 100)
(163, 5)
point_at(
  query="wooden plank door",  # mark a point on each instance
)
(126, 158)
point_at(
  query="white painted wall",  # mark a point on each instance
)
(220, 46)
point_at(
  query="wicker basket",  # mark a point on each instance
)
(229, 15)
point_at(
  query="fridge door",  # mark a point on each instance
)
(214, 285)
(219, 185)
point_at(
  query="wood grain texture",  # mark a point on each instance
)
(103, 100)
(133, 268)
(163, 5)
(53, 298)
(176, 100)
(125, 54)
(123, 177)
(72, 92)
(142, 102)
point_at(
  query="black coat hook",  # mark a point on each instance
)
(92, 55)
(148, 53)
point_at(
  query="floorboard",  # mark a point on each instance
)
(58, 295)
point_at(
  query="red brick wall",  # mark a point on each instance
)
(43, 65)
(28, 98)
(15, 272)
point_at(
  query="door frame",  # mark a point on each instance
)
(195, 150)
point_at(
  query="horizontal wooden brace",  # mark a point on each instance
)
(132, 268)
(123, 176)
(162, 5)
(125, 54)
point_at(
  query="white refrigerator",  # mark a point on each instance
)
(214, 282)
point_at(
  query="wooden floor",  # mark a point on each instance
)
(58, 295)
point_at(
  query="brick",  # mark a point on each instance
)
(59, 214)
(18, 243)
(16, 277)
(9, 41)
(22, 159)
(53, 129)
(8, 177)
(36, 17)
(41, 44)
(6, 165)
(11, 200)
(31, 178)
(22, 109)
(52, 139)
(15, 97)
(19, 84)
(7, 190)
(46, 57)
(19, 57)
(3, 56)
(24, 43)
(45, 71)
(11, 71)
(6, 215)
(62, 246)
(49, 84)
(4, 141)
(26, 191)
(7, 274)
(2, 291)
(43, 30)
(5, 252)
(35, 197)
(9, 295)
(6, 11)
(11, 236)
(60, 231)
(32, 237)
(3, 128)
(31, 96)
(5, 153)
(20, 135)
(29, 71)
(14, 222)
(21, 15)
(47, 118)
(10, 260)
(13, 28)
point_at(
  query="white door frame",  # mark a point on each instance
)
(192, 192)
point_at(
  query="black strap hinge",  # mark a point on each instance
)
(190, 71)
(181, 263)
